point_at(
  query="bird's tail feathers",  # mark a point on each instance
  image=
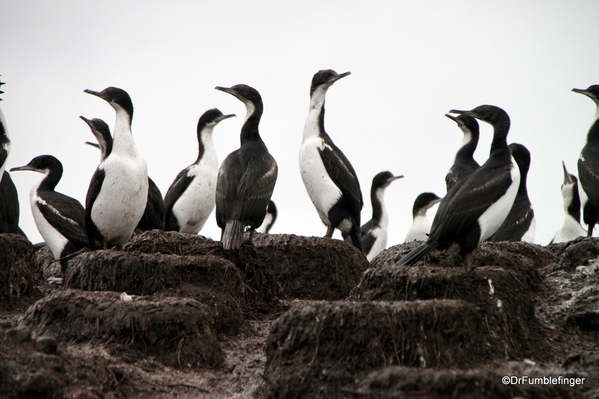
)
(232, 236)
(416, 254)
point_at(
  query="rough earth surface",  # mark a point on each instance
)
(175, 316)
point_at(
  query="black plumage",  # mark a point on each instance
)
(464, 163)
(246, 178)
(519, 225)
(588, 164)
(153, 217)
(59, 218)
(473, 210)
(9, 197)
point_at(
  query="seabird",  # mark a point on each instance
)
(118, 191)
(374, 232)
(189, 200)
(247, 177)
(269, 219)
(571, 229)
(153, 217)
(60, 219)
(329, 177)
(520, 224)
(472, 211)
(464, 164)
(588, 165)
(421, 225)
(9, 197)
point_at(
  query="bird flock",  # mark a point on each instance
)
(482, 202)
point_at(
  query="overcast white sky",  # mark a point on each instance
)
(411, 62)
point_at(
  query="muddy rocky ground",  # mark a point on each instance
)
(175, 316)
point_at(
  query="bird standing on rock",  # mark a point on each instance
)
(153, 217)
(421, 225)
(588, 165)
(571, 229)
(9, 197)
(329, 177)
(60, 219)
(246, 178)
(520, 223)
(374, 232)
(473, 210)
(190, 198)
(118, 192)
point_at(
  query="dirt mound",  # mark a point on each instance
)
(16, 268)
(331, 342)
(208, 279)
(410, 383)
(279, 266)
(179, 332)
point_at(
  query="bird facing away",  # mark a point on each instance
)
(588, 165)
(520, 224)
(464, 164)
(269, 219)
(473, 210)
(421, 225)
(118, 191)
(571, 229)
(189, 200)
(153, 217)
(329, 178)
(60, 219)
(9, 197)
(374, 232)
(246, 178)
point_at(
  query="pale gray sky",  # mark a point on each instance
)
(411, 62)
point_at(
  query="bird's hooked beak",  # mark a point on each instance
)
(88, 121)
(100, 94)
(582, 91)
(567, 178)
(24, 167)
(223, 117)
(95, 145)
(335, 78)
(392, 179)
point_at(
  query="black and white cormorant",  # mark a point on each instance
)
(588, 165)
(60, 219)
(421, 224)
(246, 178)
(329, 177)
(464, 163)
(571, 229)
(118, 191)
(374, 232)
(269, 219)
(9, 197)
(473, 210)
(189, 200)
(153, 217)
(520, 224)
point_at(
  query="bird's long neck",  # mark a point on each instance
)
(572, 202)
(314, 126)
(205, 143)
(593, 135)
(469, 144)
(53, 176)
(499, 147)
(4, 144)
(249, 130)
(123, 142)
(379, 211)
